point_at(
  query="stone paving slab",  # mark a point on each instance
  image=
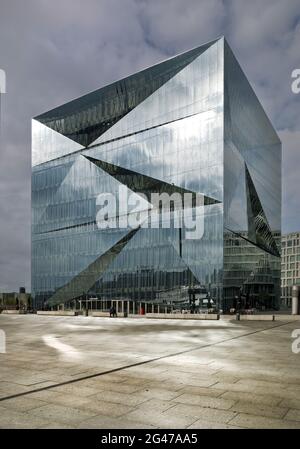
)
(259, 409)
(250, 398)
(104, 422)
(22, 404)
(222, 374)
(259, 422)
(293, 415)
(200, 391)
(11, 419)
(290, 403)
(204, 424)
(66, 415)
(204, 401)
(161, 420)
(198, 412)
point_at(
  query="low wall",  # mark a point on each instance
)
(57, 312)
(107, 314)
(184, 316)
(11, 312)
(257, 317)
(104, 314)
(287, 317)
(279, 317)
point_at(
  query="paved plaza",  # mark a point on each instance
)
(118, 373)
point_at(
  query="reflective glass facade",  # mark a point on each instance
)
(189, 124)
(252, 195)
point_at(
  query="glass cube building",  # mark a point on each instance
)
(189, 124)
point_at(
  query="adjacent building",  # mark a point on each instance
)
(14, 300)
(189, 125)
(290, 266)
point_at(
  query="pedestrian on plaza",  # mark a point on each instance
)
(112, 312)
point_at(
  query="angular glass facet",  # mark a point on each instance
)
(87, 117)
(187, 93)
(145, 184)
(258, 227)
(252, 186)
(48, 144)
(80, 284)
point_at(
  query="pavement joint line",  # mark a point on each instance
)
(144, 362)
(284, 416)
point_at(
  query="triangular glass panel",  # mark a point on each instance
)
(42, 197)
(247, 125)
(187, 93)
(259, 230)
(89, 182)
(170, 277)
(235, 204)
(81, 283)
(47, 144)
(86, 118)
(144, 184)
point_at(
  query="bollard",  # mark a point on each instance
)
(238, 315)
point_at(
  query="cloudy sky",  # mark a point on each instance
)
(54, 51)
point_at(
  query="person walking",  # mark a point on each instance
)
(112, 312)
